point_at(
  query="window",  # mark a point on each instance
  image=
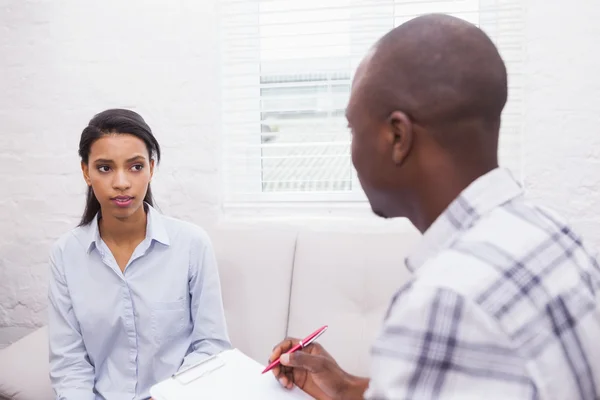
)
(286, 70)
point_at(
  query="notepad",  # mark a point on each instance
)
(228, 375)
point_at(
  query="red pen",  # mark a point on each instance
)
(301, 344)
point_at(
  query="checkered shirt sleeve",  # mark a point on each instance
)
(439, 344)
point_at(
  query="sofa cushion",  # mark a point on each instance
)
(24, 368)
(346, 281)
(255, 266)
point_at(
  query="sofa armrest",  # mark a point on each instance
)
(24, 368)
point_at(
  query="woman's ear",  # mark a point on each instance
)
(401, 130)
(151, 168)
(86, 173)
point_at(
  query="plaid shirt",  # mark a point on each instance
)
(503, 304)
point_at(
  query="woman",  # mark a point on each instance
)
(134, 295)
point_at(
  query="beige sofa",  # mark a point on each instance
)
(277, 281)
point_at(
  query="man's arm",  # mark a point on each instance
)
(357, 387)
(209, 334)
(438, 344)
(71, 373)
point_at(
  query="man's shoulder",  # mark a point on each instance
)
(456, 271)
(519, 232)
(514, 226)
(510, 251)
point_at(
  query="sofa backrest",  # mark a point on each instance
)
(283, 281)
(255, 267)
(346, 281)
(24, 369)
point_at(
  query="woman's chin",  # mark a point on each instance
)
(121, 213)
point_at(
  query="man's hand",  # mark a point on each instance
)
(314, 371)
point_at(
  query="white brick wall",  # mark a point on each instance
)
(562, 118)
(63, 61)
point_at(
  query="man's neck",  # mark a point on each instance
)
(124, 232)
(441, 190)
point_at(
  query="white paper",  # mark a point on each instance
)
(238, 378)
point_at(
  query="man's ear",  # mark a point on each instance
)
(86, 173)
(401, 130)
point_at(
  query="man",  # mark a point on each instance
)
(503, 302)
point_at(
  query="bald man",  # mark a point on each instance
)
(503, 301)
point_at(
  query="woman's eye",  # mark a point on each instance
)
(137, 167)
(103, 168)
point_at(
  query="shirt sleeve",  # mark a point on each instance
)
(209, 335)
(71, 373)
(437, 344)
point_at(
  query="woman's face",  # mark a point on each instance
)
(119, 170)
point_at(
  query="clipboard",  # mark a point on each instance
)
(229, 375)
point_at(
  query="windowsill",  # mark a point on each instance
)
(337, 216)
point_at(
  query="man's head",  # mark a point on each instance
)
(425, 109)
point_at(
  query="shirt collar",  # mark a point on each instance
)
(155, 229)
(480, 197)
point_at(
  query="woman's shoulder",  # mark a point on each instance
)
(71, 240)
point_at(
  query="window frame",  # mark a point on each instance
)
(354, 198)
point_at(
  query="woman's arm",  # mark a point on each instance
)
(209, 334)
(71, 373)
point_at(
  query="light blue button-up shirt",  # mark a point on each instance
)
(112, 334)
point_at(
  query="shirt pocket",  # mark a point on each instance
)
(169, 319)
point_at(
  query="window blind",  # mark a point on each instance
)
(287, 67)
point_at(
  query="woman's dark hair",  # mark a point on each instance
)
(115, 121)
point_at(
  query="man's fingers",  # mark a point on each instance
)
(285, 344)
(288, 380)
(276, 371)
(300, 359)
(281, 348)
(277, 351)
(284, 381)
(284, 375)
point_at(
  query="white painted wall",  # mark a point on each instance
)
(63, 61)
